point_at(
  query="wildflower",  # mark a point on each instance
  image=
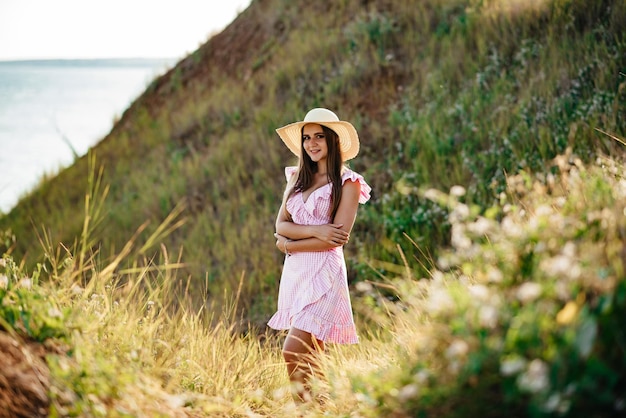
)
(543, 210)
(569, 250)
(176, 401)
(3, 262)
(528, 292)
(437, 276)
(494, 275)
(552, 403)
(458, 238)
(457, 191)
(433, 194)
(535, 378)
(510, 228)
(4, 281)
(488, 316)
(439, 300)
(560, 201)
(408, 392)
(421, 377)
(26, 283)
(459, 213)
(281, 393)
(561, 266)
(480, 227)
(480, 292)
(512, 365)
(54, 313)
(364, 287)
(76, 289)
(458, 348)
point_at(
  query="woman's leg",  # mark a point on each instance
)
(300, 352)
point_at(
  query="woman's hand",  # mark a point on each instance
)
(280, 242)
(332, 234)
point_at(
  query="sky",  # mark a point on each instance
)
(75, 29)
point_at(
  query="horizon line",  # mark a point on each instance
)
(7, 60)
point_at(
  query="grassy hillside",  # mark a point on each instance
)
(443, 92)
(487, 271)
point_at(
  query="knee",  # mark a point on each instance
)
(290, 356)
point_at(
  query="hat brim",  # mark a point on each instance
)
(348, 138)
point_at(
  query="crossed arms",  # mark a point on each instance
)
(320, 237)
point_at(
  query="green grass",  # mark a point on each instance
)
(481, 94)
(522, 312)
(442, 93)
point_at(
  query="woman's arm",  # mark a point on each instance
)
(332, 234)
(321, 237)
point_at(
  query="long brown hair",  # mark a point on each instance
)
(307, 169)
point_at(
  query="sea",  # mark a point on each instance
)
(53, 110)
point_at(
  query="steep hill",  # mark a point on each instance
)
(442, 92)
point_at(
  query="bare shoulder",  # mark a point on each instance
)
(351, 189)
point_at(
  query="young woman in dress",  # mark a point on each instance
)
(314, 222)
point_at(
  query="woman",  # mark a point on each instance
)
(314, 222)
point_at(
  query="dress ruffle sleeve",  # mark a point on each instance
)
(365, 188)
(290, 171)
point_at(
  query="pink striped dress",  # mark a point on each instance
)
(313, 294)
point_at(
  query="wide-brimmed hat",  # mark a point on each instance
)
(348, 138)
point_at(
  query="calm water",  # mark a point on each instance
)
(43, 102)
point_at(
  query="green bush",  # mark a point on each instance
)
(523, 312)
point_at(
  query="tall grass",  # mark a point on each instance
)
(522, 313)
(443, 92)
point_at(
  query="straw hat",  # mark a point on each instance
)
(348, 138)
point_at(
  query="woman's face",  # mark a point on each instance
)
(314, 142)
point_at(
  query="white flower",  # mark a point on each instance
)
(434, 195)
(408, 392)
(421, 377)
(512, 366)
(480, 227)
(459, 213)
(569, 249)
(543, 210)
(494, 275)
(480, 292)
(437, 276)
(552, 403)
(364, 287)
(458, 238)
(54, 313)
(535, 378)
(26, 283)
(3, 262)
(4, 281)
(488, 316)
(457, 191)
(528, 292)
(510, 228)
(76, 289)
(561, 266)
(458, 348)
(439, 300)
